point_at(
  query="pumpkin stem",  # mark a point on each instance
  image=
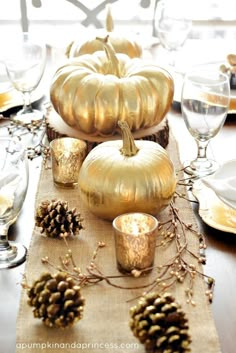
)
(111, 55)
(129, 148)
(109, 19)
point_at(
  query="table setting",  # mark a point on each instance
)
(117, 259)
(10, 98)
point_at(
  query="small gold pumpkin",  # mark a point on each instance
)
(92, 92)
(126, 176)
(121, 44)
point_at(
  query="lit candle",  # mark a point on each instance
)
(135, 241)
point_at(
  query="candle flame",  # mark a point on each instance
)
(135, 224)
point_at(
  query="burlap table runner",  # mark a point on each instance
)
(104, 326)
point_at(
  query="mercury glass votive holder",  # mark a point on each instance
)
(135, 241)
(67, 155)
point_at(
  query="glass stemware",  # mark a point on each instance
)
(204, 102)
(172, 25)
(25, 60)
(13, 188)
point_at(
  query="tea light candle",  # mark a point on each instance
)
(135, 241)
(67, 156)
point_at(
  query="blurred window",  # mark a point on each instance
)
(71, 15)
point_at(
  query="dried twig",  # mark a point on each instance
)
(181, 268)
(35, 130)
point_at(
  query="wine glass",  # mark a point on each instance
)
(13, 188)
(172, 25)
(204, 102)
(25, 61)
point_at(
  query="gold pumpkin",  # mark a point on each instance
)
(126, 176)
(92, 92)
(120, 43)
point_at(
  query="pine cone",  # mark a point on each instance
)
(57, 300)
(56, 220)
(160, 324)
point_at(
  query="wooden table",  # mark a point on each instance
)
(221, 251)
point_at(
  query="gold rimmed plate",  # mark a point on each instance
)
(212, 210)
(10, 97)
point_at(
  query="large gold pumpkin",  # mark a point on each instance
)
(126, 176)
(92, 92)
(121, 44)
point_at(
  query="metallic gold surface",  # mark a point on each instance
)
(135, 241)
(120, 43)
(117, 177)
(92, 92)
(67, 157)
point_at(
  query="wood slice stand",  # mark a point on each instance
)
(56, 127)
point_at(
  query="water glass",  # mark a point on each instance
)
(205, 101)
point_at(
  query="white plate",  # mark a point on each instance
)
(230, 203)
(212, 210)
(223, 183)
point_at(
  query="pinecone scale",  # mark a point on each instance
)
(56, 220)
(160, 324)
(56, 299)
